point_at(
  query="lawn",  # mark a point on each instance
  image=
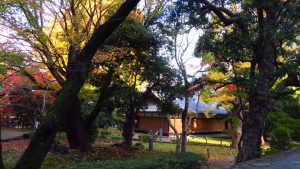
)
(104, 151)
(210, 141)
(214, 150)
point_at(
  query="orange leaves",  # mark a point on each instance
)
(230, 87)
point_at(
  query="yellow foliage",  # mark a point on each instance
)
(216, 75)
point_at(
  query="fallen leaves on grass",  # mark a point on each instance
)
(15, 145)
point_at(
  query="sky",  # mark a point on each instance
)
(192, 63)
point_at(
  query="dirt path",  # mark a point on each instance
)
(7, 134)
(220, 162)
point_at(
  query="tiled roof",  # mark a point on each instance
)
(195, 106)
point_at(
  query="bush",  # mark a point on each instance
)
(94, 131)
(145, 137)
(174, 161)
(281, 138)
(110, 132)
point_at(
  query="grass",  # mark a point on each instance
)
(214, 151)
(104, 152)
(210, 140)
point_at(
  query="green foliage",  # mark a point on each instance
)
(94, 131)
(109, 118)
(110, 132)
(145, 137)
(233, 120)
(280, 118)
(7, 59)
(131, 34)
(281, 138)
(270, 151)
(174, 161)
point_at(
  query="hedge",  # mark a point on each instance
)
(173, 161)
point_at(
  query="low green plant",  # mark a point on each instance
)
(94, 131)
(281, 138)
(270, 151)
(173, 161)
(145, 137)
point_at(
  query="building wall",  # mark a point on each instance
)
(177, 123)
(198, 124)
(208, 124)
(152, 123)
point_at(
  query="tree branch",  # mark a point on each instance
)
(101, 33)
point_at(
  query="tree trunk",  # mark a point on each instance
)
(42, 139)
(253, 123)
(176, 135)
(260, 92)
(45, 134)
(39, 146)
(236, 135)
(77, 134)
(184, 125)
(105, 93)
(251, 143)
(128, 130)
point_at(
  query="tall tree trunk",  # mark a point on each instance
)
(251, 142)
(260, 103)
(184, 125)
(128, 130)
(77, 134)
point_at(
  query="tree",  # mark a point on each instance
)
(263, 34)
(130, 96)
(56, 33)
(23, 100)
(175, 30)
(67, 100)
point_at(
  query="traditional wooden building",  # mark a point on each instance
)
(203, 118)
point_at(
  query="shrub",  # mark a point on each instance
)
(270, 151)
(110, 132)
(145, 137)
(281, 138)
(94, 131)
(173, 161)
